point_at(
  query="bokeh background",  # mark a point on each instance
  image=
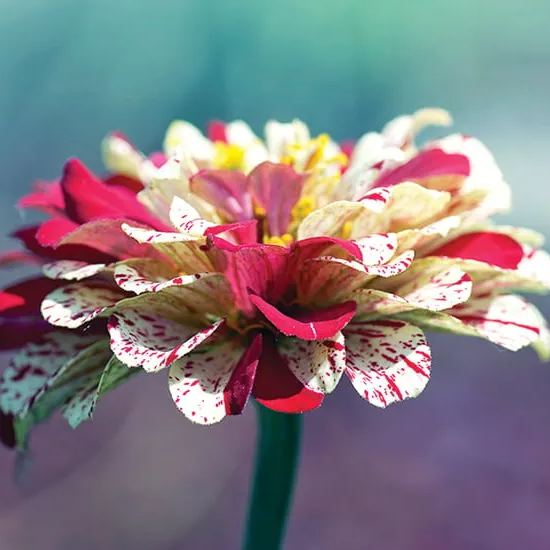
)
(466, 466)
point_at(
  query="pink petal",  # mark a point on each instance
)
(216, 131)
(493, 248)
(387, 360)
(107, 237)
(276, 188)
(277, 388)
(75, 304)
(318, 364)
(232, 236)
(151, 341)
(226, 190)
(320, 324)
(52, 231)
(46, 196)
(426, 164)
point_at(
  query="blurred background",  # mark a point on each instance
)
(463, 467)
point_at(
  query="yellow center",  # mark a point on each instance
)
(227, 156)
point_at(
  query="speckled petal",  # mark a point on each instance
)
(509, 321)
(75, 304)
(33, 366)
(187, 219)
(150, 277)
(71, 270)
(151, 341)
(200, 384)
(317, 364)
(387, 360)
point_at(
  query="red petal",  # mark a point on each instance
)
(24, 298)
(489, 247)
(52, 231)
(232, 236)
(427, 164)
(312, 325)
(88, 198)
(30, 235)
(277, 388)
(118, 180)
(240, 384)
(216, 131)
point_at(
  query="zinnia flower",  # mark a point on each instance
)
(265, 268)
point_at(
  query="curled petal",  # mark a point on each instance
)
(376, 199)
(312, 325)
(71, 270)
(150, 277)
(32, 367)
(509, 321)
(75, 304)
(151, 341)
(187, 219)
(493, 248)
(142, 235)
(277, 388)
(215, 381)
(387, 360)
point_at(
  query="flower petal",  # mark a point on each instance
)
(320, 324)
(151, 341)
(427, 164)
(509, 321)
(276, 188)
(215, 381)
(226, 191)
(75, 304)
(276, 388)
(32, 367)
(150, 276)
(387, 360)
(187, 219)
(318, 364)
(493, 248)
(71, 270)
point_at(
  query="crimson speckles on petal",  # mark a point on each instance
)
(387, 361)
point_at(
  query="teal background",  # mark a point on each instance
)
(463, 467)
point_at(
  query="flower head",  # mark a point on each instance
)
(266, 268)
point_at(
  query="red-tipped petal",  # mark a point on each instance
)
(493, 248)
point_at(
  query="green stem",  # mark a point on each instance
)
(276, 460)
